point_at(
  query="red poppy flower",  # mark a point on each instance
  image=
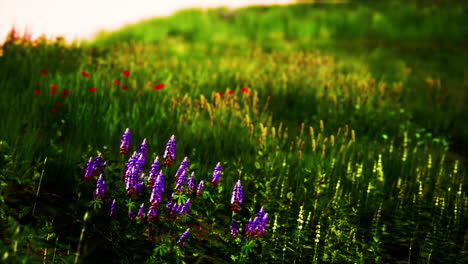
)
(66, 92)
(125, 87)
(230, 92)
(92, 89)
(53, 110)
(37, 92)
(58, 104)
(53, 86)
(44, 72)
(126, 73)
(245, 90)
(116, 82)
(221, 93)
(159, 86)
(85, 74)
(54, 91)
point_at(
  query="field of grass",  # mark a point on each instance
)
(346, 123)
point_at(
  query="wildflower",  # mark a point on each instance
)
(234, 227)
(132, 215)
(158, 189)
(153, 173)
(53, 87)
(216, 174)
(37, 91)
(58, 104)
(125, 87)
(245, 90)
(140, 185)
(143, 147)
(116, 82)
(159, 86)
(237, 197)
(85, 74)
(153, 213)
(191, 182)
(113, 209)
(131, 181)
(169, 153)
(221, 93)
(125, 142)
(183, 238)
(257, 226)
(182, 168)
(230, 92)
(97, 164)
(53, 110)
(200, 188)
(66, 92)
(101, 190)
(44, 72)
(92, 89)
(185, 207)
(126, 73)
(88, 172)
(181, 181)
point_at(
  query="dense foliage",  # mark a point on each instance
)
(346, 123)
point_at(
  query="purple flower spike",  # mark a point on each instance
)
(200, 188)
(153, 213)
(216, 174)
(234, 227)
(191, 183)
(125, 142)
(257, 227)
(183, 238)
(181, 181)
(88, 172)
(158, 189)
(131, 181)
(97, 164)
(153, 174)
(185, 207)
(143, 147)
(141, 211)
(132, 215)
(237, 197)
(182, 168)
(113, 209)
(169, 153)
(101, 190)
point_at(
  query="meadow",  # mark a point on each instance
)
(346, 123)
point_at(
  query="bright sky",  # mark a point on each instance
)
(82, 18)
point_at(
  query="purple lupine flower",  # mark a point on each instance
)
(181, 181)
(88, 172)
(130, 164)
(131, 181)
(153, 213)
(216, 174)
(153, 173)
(234, 227)
(140, 162)
(237, 197)
(182, 168)
(125, 142)
(200, 188)
(158, 189)
(97, 164)
(113, 209)
(143, 147)
(191, 182)
(132, 215)
(257, 227)
(141, 211)
(140, 185)
(185, 207)
(101, 190)
(169, 153)
(183, 238)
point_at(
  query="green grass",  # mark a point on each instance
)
(354, 117)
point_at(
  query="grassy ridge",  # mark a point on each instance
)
(345, 135)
